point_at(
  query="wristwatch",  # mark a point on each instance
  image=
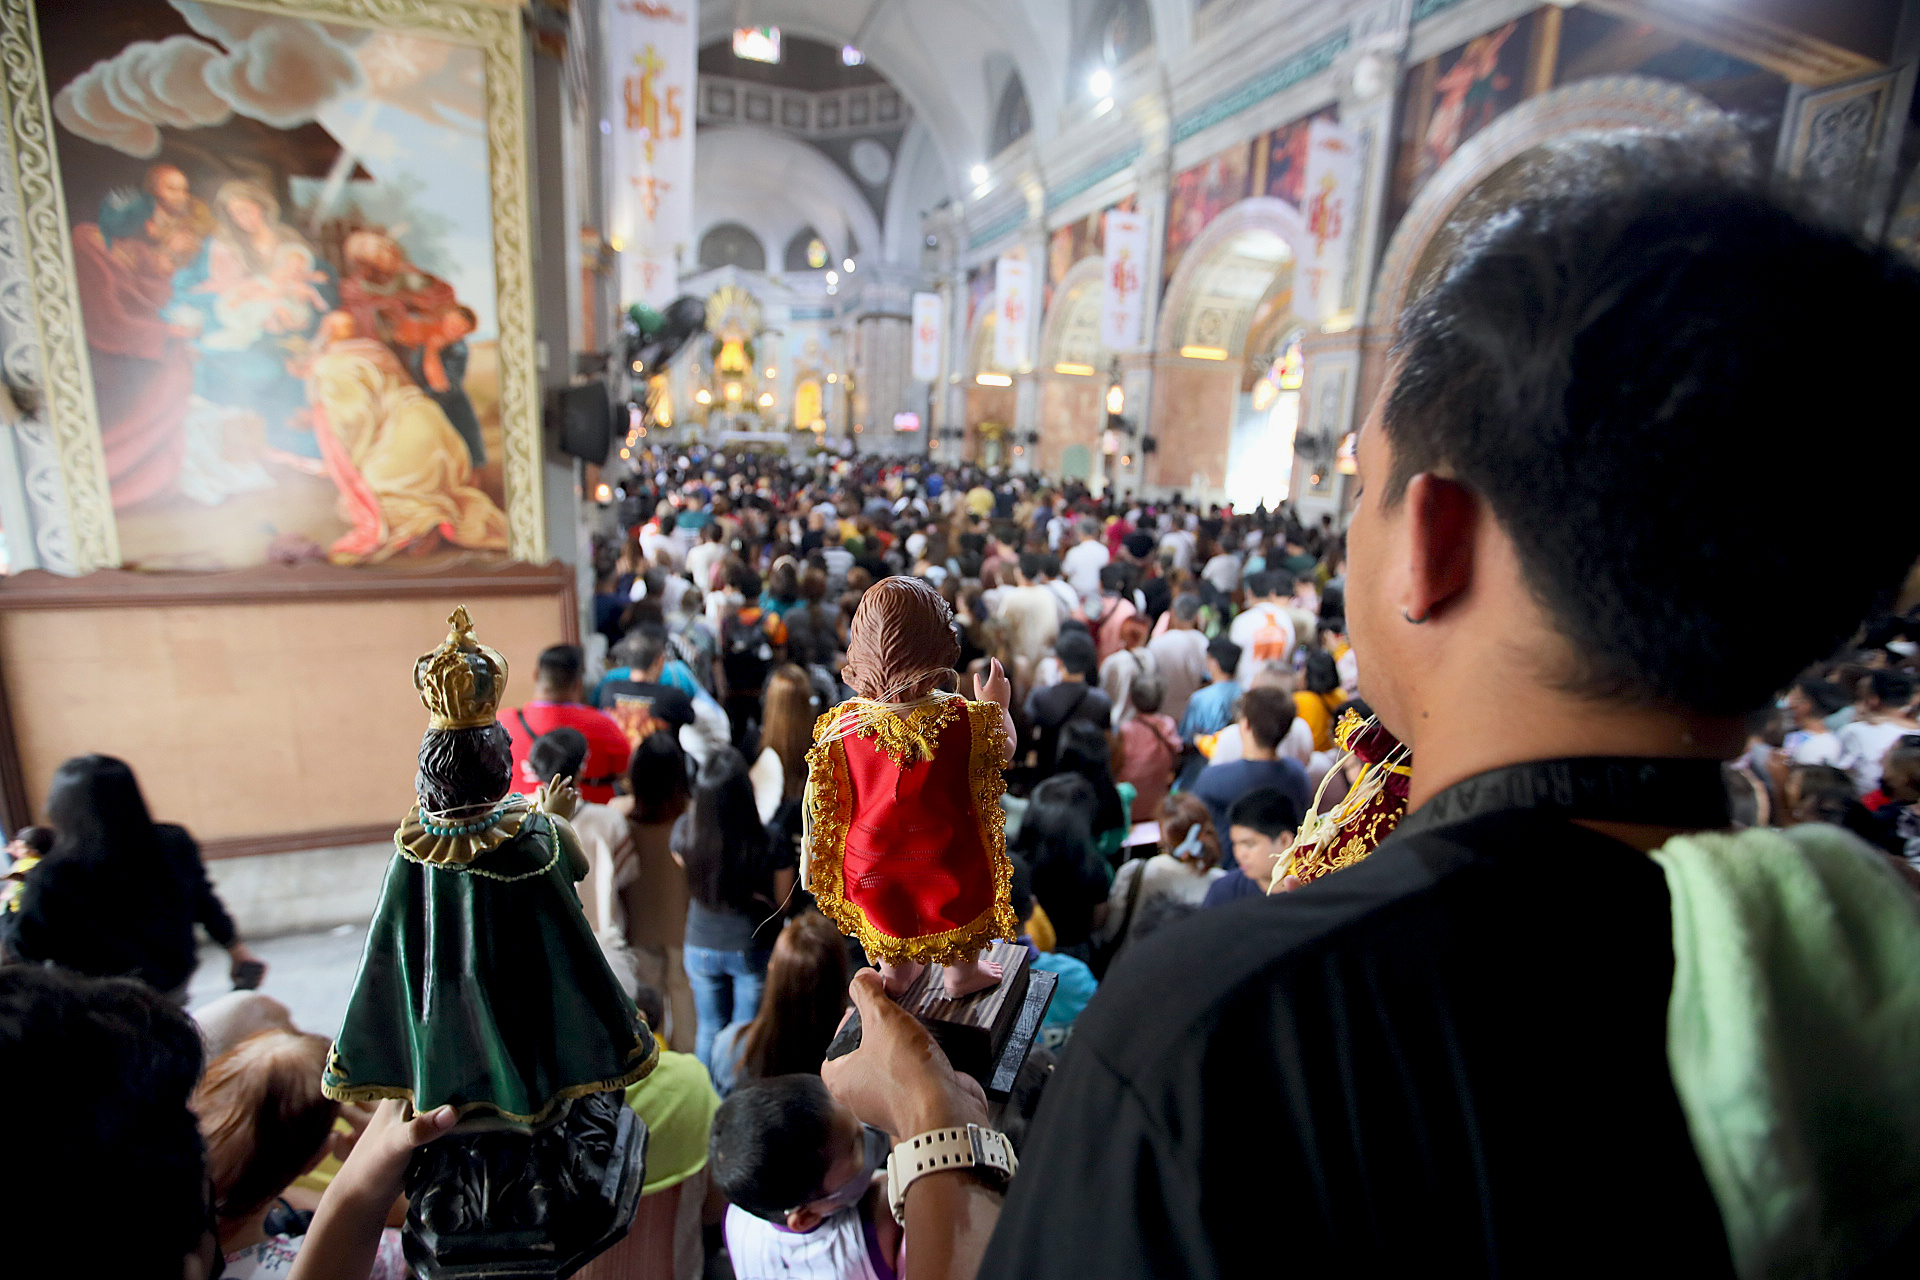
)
(987, 1152)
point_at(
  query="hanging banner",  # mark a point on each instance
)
(651, 50)
(1013, 302)
(1123, 305)
(927, 313)
(1330, 202)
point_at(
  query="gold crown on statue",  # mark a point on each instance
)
(460, 683)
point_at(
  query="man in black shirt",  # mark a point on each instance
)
(634, 696)
(1456, 1056)
(1049, 709)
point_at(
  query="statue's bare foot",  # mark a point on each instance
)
(969, 976)
(898, 977)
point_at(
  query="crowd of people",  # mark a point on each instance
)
(1482, 1034)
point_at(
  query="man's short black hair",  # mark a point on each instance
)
(562, 664)
(558, 753)
(1259, 585)
(1032, 565)
(769, 1144)
(1113, 577)
(1269, 714)
(1076, 651)
(1608, 367)
(1268, 810)
(1894, 689)
(643, 646)
(1225, 652)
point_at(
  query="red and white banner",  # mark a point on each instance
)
(651, 50)
(1330, 202)
(927, 316)
(1123, 305)
(1012, 305)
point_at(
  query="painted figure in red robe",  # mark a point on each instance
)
(907, 848)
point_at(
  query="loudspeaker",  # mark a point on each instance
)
(586, 421)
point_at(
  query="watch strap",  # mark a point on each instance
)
(986, 1151)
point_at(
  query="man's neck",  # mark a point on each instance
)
(1470, 735)
(1071, 677)
(561, 696)
(1251, 750)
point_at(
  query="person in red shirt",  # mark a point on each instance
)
(559, 693)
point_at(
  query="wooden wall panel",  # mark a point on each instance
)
(260, 725)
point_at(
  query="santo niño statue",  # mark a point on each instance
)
(482, 987)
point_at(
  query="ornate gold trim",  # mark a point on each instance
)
(47, 252)
(831, 797)
(379, 1092)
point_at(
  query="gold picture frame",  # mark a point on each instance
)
(44, 232)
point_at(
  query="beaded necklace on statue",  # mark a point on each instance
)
(458, 836)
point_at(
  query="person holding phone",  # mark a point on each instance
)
(119, 894)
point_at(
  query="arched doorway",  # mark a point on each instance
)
(1073, 369)
(1227, 319)
(1498, 164)
(990, 399)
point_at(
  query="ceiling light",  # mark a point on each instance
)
(851, 56)
(766, 399)
(1116, 399)
(993, 379)
(1204, 353)
(1106, 105)
(833, 277)
(833, 377)
(833, 288)
(981, 173)
(1078, 370)
(846, 265)
(772, 372)
(604, 493)
(703, 396)
(1101, 82)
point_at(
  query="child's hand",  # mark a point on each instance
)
(994, 687)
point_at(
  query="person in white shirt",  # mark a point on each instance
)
(1031, 617)
(1082, 565)
(805, 1183)
(1264, 630)
(1810, 702)
(1124, 666)
(1223, 571)
(706, 557)
(1180, 656)
(1879, 721)
(838, 560)
(1297, 745)
(1179, 543)
(1065, 598)
(656, 536)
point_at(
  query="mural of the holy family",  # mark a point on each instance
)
(275, 376)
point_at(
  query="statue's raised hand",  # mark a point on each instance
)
(993, 687)
(558, 797)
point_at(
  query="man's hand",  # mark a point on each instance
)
(240, 954)
(898, 1079)
(994, 686)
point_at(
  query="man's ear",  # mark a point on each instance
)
(1283, 842)
(802, 1219)
(1442, 516)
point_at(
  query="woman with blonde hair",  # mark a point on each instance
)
(806, 995)
(265, 1123)
(779, 772)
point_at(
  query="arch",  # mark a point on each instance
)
(1012, 116)
(1493, 165)
(728, 244)
(980, 345)
(1070, 334)
(795, 258)
(774, 183)
(1257, 216)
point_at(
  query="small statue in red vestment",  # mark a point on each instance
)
(907, 848)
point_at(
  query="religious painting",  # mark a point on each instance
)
(1450, 98)
(1286, 149)
(1598, 44)
(283, 244)
(1200, 195)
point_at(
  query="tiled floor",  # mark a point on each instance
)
(310, 973)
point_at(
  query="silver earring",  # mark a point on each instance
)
(1416, 621)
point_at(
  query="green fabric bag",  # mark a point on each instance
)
(1793, 1034)
(483, 986)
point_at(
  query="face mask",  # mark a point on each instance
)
(848, 1193)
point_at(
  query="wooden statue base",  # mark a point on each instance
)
(986, 1035)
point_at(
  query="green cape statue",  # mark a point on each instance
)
(482, 985)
